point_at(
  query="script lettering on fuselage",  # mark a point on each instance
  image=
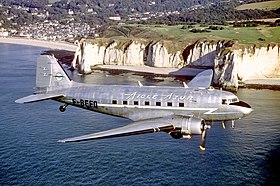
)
(171, 96)
(85, 103)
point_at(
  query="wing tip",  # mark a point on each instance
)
(19, 101)
(61, 141)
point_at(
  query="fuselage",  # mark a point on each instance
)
(146, 102)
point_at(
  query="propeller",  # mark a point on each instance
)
(203, 135)
(223, 124)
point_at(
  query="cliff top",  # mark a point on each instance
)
(248, 33)
(123, 43)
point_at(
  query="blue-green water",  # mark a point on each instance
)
(30, 155)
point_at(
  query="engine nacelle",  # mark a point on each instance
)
(187, 126)
(191, 126)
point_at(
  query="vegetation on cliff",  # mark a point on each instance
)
(257, 34)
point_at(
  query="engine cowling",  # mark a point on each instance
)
(187, 126)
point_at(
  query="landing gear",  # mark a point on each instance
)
(62, 108)
(232, 124)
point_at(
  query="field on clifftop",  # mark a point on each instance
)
(259, 35)
(267, 5)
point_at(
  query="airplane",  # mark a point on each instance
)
(178, 111)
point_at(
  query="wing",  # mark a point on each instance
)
(38, 97)
(140, 127)
(202, 80)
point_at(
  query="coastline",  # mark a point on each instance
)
(55, 45)
(58, 48)
(261, 83)
(140, 69)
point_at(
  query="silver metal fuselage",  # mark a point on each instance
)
(146, 102)
(178, 111)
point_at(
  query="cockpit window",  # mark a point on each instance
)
(228, 101)
(234, 100)
(241, 104)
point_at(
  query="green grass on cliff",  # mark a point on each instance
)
(244, 35)
(267, 5)
(249, 35)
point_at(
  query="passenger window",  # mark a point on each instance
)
(169, 104)
(125, 102)
(136, 103)
(147, 103)
(158, 103)
(181, 105)
(114, 102)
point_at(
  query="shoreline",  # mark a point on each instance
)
(261, 83)
(54, 45)
(139, 69)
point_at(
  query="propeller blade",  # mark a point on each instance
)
(232, 124)
(223, 125)
(203, 136)
(203, 139)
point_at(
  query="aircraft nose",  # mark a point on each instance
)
(246, 108)
(246, 111)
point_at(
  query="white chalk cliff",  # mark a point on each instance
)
(231, 62)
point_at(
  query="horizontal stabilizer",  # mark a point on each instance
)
(202, 80)
(37, 97)
(140, 127)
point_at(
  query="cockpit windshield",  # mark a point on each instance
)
(241, 104)
(228, 101)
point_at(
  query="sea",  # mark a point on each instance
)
(30, 154)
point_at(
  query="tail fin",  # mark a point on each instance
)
(202, 80)
(50, 75)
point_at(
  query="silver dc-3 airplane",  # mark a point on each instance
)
(178, 111)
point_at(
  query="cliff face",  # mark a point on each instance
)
(135, 53)
(243, 64)
(87, 55)
(229, 61)
(262, 62)
(225, 70)
(153, 53)
(202, 53)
